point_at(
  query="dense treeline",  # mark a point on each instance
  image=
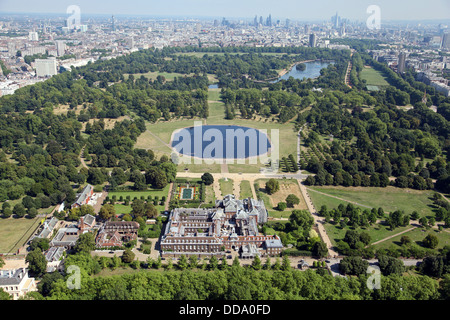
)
(232, 283)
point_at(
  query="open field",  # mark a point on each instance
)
(287, 186)
(416, 235)
(376, 231)
(121, 209)
(246, 190)
(389, 198)
(373, 77)
(14, 232)
(226, 187)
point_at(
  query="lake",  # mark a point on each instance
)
(312, 71)
(220, 142)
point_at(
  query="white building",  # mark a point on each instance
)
(16, 282)
(33, 36)
(60, 48)
(46, 67)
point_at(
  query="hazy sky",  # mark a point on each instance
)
(280, 9)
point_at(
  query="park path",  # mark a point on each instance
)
(394, 235)
(319, 221)
(166, 204)
(237, 189)
(82, 159)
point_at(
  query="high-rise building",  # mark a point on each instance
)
(307, 29)
(60, 48)
(255, 21)
(33, 36)
(312, 40)
(446, 41)
(113, 23)
(401, 62)
(45, 67)
(288, 23)
(216, 23)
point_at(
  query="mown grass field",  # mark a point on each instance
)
(376, 231)
(14, 232)
(389, 198)
(246, 190)
(416, 235)
(226, 187)
(122, 209)
(373, 77)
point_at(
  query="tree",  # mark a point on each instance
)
(405, 240)
(19, 210)
(213, 263)
(281, 206)
(182, 263)
(207, 178)
(390, 265)
(431, 241)
(272, 186)
(85, 243)
(37, 264)
(41, 243)
(193, 262)
(107, 211)
(256, 264)
(353, 265)
(319, 249)
(292, 200)
(47, 283)
(286, 264)
(2, 262)
(128, 256)
(4, 295)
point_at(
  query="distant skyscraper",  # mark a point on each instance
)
(255, 21)
(261, 21)
(113, 23)
(60, 48)
(312, 40)
(446, 41)
(335, 20)
(401, 62)
(269, 21)
(216, 23)
(288, 23)
(307, 29)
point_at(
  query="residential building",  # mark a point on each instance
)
(45, 67)
(84, 196)
(401, 62)
(115, 233)
(16, 282)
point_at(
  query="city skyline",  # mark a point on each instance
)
(300, 10)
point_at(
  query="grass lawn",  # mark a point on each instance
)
(376, 231)
(122, 209)
(158, 135)
(373, 77)
(389, 198)
(416, 235)
(226, 187)
(14, 232)
(209, 194)
(246, 190)
(287, 187)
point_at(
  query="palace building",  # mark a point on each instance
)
(231, 225)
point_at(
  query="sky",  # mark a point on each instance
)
(280, 9)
